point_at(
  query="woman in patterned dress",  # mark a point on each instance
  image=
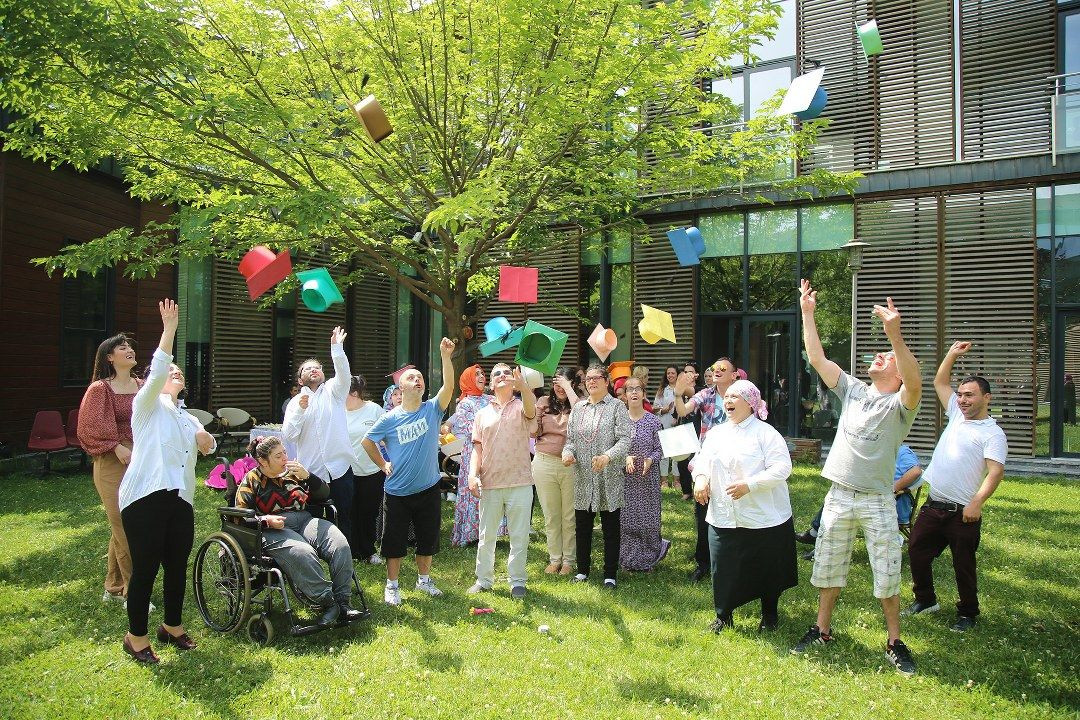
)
(466, 529)
(641, 547)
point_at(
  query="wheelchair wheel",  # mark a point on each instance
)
(221, 581)
(260, 630)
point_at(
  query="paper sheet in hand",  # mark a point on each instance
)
(679, 442)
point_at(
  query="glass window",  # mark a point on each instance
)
(1070, 44)
(772, 231)
(723, 234)
(732, 89)
(1067, 210)
(1067, 269)
(194, 281)
(772, 282)
(619, 247)
(1042, 212)
(782, 44)
(819, 411)
(622, 278)
(720, 282)
(591, 247)
(84, 322)
(765, 83)
(827, 227)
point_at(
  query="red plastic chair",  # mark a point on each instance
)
(71, 429)
(48, 434)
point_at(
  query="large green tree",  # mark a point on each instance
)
(511, 117)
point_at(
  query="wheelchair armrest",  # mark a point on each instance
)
(324, 509)
(236, 512)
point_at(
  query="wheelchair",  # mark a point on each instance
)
(232, 574)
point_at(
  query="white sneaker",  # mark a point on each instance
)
(392, 595)
(108, 596)
(428, 586)
(451, 497)
(152, 607)
(375, 560)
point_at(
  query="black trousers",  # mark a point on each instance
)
(366, 503)
(686, 482)
(609, 525)
(701, 548)
(341, 492)
(160, 529)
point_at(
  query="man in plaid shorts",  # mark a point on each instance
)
(874, 420)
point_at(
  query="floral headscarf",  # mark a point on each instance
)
(386, 397)
(467, 381)
(749, 392)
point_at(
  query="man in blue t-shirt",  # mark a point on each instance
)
(410, 433)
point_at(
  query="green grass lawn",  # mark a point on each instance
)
(640, 653)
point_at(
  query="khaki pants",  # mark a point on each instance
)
(555, 490)
(108, 472)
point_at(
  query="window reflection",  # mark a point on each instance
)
(772, 282)
(720, 284)
(829, 273)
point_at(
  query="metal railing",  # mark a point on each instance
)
(1065, 114)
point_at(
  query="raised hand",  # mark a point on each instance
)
(519, 382)
(890, 317)
(446, 347)
(170, 314)
(960, 347)
(807, 297)
(684, 384)
(338, 336)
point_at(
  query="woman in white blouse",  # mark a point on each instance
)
(741, 474)
(157, 495)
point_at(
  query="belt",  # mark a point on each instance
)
(946, 506)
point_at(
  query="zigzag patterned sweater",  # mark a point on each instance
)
(272, 496)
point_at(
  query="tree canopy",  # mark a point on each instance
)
(511, 117)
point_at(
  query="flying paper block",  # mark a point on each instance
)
(619, 369)
(603, 341)
(870, 39)
(541, 347)
(688, 245)
(679, 442)
(500, 336)
(656, 325)
(517, 284)
(373, 118)
(802, 94)
(816, 107)
(263, 270)
(317, 289)
(533, 378)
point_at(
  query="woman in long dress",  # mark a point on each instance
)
(741, 474)
(664, 407)
(641, 547)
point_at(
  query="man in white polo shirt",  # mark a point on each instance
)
(967, 466)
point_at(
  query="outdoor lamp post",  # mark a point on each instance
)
(855, 259)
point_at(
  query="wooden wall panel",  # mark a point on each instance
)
(241, 346)
(660, 282)
(372, 336)
(312, 329)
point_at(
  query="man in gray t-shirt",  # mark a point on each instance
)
(874, 420)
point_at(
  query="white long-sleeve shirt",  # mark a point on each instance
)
(164, 452)
(321, 432)
(750, 452)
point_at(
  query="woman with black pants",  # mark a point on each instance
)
(157, 495)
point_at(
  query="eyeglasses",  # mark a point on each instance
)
(589, 378)
(500, 373)
(634, 390)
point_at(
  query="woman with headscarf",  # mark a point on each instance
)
(472, 400)
(741, 474)
(391, 398)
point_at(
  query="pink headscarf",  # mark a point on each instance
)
(749, 392)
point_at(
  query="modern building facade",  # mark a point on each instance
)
(967, 131)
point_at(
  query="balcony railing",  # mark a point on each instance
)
(1065, 114)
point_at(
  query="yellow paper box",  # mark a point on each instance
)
(656, 325)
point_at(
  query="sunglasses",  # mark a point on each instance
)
(500, 373)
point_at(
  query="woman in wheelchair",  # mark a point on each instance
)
(279, 490)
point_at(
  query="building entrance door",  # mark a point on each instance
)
(1064, 430)
(763, 346)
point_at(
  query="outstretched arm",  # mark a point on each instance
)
(446, 349)
(943, 379)
(911, 391)
(826, 368)
(342, 380)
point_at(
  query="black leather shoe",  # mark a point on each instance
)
(184, 642)
(806, 538)
(348, 614)
(329, 616)
(145, 656)
(768, 623)
(698, 574)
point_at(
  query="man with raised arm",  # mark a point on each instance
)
(411, 435)
(315, 421)
(874, 420)
(967, 466)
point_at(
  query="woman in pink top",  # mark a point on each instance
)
(555, 481)
(105, 433)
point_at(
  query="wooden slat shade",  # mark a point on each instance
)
(1008, 51)
(374, 330)
(312, 329)
(241, 351)
(660, 282)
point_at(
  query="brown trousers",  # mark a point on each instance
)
(108, 472)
